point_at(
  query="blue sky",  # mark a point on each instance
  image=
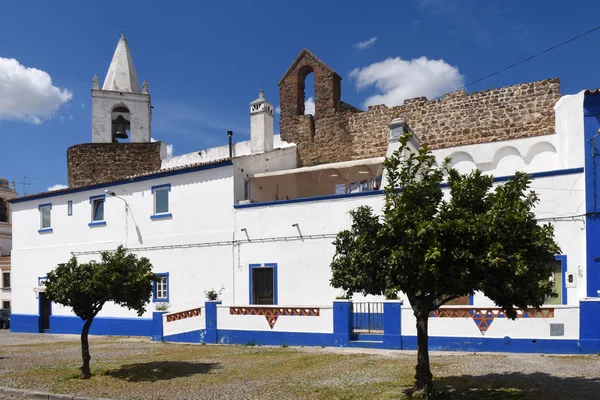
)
(205, 61)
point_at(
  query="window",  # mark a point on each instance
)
(263, 284)
(161, 288)
(45, 218)
(97, 203)
(161, 201)
(69, 208)
(6, 305)
(559, 267)
(6, 280)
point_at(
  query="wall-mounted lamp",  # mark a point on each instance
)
(296, 225)
(110, 192)
(243, 229)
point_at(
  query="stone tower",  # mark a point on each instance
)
(261, 125)
(121, 110)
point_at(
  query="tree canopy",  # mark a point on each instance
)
(119, 277)
(443, 235)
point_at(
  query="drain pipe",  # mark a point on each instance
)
(229, 135)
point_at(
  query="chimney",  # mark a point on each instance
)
(261, 125)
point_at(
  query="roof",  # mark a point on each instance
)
(121, 75)
(303, 54)
(592, 91)
(337, 165)
(128, 179)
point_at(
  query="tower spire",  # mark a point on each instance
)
(121, 75)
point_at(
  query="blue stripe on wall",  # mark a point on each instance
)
(227, 336)
(25, 323)
(196, 336)
(102, 326)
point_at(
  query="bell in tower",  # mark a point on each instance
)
(120, 123)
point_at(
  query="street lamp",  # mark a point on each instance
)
(113, 194)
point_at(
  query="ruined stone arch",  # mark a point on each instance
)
(303, 73)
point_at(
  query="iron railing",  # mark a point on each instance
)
(368, 317)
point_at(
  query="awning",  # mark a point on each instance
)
(338, 165)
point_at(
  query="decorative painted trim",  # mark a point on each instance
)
(161, 216)
(100, 196)
(97, 223)
(154, 298)
(124, 181)
(272, 313)
(275, 290)
(45, 230)
(484, 317)
(533, 175)
(196, 312)
(69, 208)
(166, 185)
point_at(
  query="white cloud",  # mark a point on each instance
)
(58, 186)
(309, 106)
(71, 117)
(169, 148)
(365, 43)
(277, 110)
(397, 79)
(27, 94)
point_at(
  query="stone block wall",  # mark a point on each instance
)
(340, 132)
(93, 163)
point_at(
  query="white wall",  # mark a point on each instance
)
(286, 323)
(184, 325)
(538, 328)
(199, 216)
(219, 153)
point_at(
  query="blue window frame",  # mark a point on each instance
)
(45, 218)
(69, 208)
(160, 293)
(263, 284)
(160, 201)
(97, 210)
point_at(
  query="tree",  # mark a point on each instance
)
(120, 277)
(436, 246)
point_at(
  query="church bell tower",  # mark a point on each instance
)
(121, 111)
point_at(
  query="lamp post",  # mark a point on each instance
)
(113, 194)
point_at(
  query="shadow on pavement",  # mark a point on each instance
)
(160, 370)
(516, 385)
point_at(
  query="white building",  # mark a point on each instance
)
(244, 217)
(6, 193)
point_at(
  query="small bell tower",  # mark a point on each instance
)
(120, 109)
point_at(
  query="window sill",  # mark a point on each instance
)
(161, 216)
(160, 300)
(97, 223)
(45, 230)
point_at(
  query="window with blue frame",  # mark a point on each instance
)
(70, 208)
(45, 217)
(161, 288)
(161, 201)
(97, 210)
(263, 284)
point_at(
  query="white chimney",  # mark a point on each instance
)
(262, 121)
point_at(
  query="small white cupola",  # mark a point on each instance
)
(262, 122)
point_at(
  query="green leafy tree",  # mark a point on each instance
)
(437, 247)
(120, 277)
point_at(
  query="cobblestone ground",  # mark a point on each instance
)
(136, 368)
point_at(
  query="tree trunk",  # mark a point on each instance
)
(85, 350)
(423, 375)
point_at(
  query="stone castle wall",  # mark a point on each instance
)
(92, 163)
(339, 132)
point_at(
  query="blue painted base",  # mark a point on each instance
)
(548, 346)
(277, 338)
(24, 323)
(197, 336)
(366, 344)
(367, 336)
(72, 325)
